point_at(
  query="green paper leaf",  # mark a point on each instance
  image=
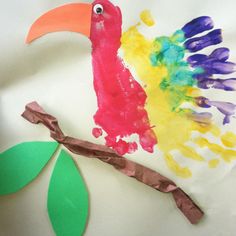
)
(67, 198)
(22, 163)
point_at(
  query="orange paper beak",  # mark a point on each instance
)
(75, 17)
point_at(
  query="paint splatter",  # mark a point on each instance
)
(213, 163)
(147, 18)
(120, 98)
(229, 140)
(170, 81)
(227, 154)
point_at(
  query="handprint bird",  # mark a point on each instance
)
(165, 105)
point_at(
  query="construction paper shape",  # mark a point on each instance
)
(22, 163)
(67, 198)
(75, 17)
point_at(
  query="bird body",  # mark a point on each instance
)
(120, 98)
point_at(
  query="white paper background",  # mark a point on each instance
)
(56, 70)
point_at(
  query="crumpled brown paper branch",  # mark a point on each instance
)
(35, 114)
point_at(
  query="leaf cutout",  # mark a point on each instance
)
(22, 163)
(67, 198)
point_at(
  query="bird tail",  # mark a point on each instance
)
(209, 66)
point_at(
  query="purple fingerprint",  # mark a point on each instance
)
(202, 102)
(218, 67)
(199, 43)
(201, 118)
(226, 108)
(215, 63)
(197, 59)
(198, 26)
(221, 54)
(224, 84)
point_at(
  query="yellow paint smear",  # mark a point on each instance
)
(213, 163)
(227, 154)
(183, 172)
(147, 18)
(189, 152)
(229, 139)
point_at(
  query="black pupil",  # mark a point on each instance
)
(99, 10)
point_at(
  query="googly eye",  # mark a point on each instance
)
(98, 9)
